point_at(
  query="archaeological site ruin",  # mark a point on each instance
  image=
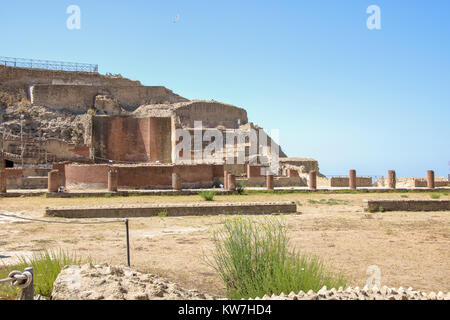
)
(68, 130)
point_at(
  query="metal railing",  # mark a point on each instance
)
(47, 64)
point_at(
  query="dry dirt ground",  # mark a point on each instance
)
(410, 248)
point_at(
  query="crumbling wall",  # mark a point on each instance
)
(16, 81)
(78, 99)
(308, 164)
(343, 182)
(412, 182)
(211, 113)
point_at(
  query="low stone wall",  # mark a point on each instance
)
(142, 176)
(197, 209)
(412, 182)
(278, 182)
(27, 178)
(343, 182)
(406, 205)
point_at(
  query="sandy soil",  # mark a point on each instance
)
(410, 248)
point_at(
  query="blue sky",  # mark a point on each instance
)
(352, 98)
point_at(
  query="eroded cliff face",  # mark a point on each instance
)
(39, 123)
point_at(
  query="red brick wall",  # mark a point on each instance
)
(132, 139)
(201, 174)
(87, 176)
(254, 171)
(145, 177)
(218, 170)
(14, 172)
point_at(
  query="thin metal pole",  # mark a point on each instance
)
(28, 292)
(128, 243)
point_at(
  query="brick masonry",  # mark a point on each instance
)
(406, 205)
(199, 209)
(142, 176)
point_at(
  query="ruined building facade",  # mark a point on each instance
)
(48, 116)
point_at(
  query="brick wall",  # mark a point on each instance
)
(140, 177)
(132, 139)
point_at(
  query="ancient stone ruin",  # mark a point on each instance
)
(89, 123)
(85, 124)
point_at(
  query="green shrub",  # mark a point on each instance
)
(163, 213)
(240, 188)
(253, 258)
(435, 196)
(207, 195)
(47, 265)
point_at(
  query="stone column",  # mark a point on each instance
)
(225, 180)
(2, 176)
(352, 179)
(312, 182)
(53, 181)
(430, 179)
(113, 180)
(231, 182)
(176, 181)
(269, 182)
(391, 179)
(62, 171)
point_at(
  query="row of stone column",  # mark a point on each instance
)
(392, 180)
(54, 180)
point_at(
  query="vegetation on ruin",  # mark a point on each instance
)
(47, 264)
(207, 195)
(330, 202)
(163, 213)
(240, 189)
(253, 258)
(435, 196)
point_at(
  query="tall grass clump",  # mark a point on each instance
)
(47, 264)
(207, 195)
(240, 188)
(253, 258)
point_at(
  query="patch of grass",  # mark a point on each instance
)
(298, 203)
(389, 232)
(329, 202)
(207, 195)
(47, 264)
(404, 195)
(163, 213)
(254, 258)
(435, 196)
